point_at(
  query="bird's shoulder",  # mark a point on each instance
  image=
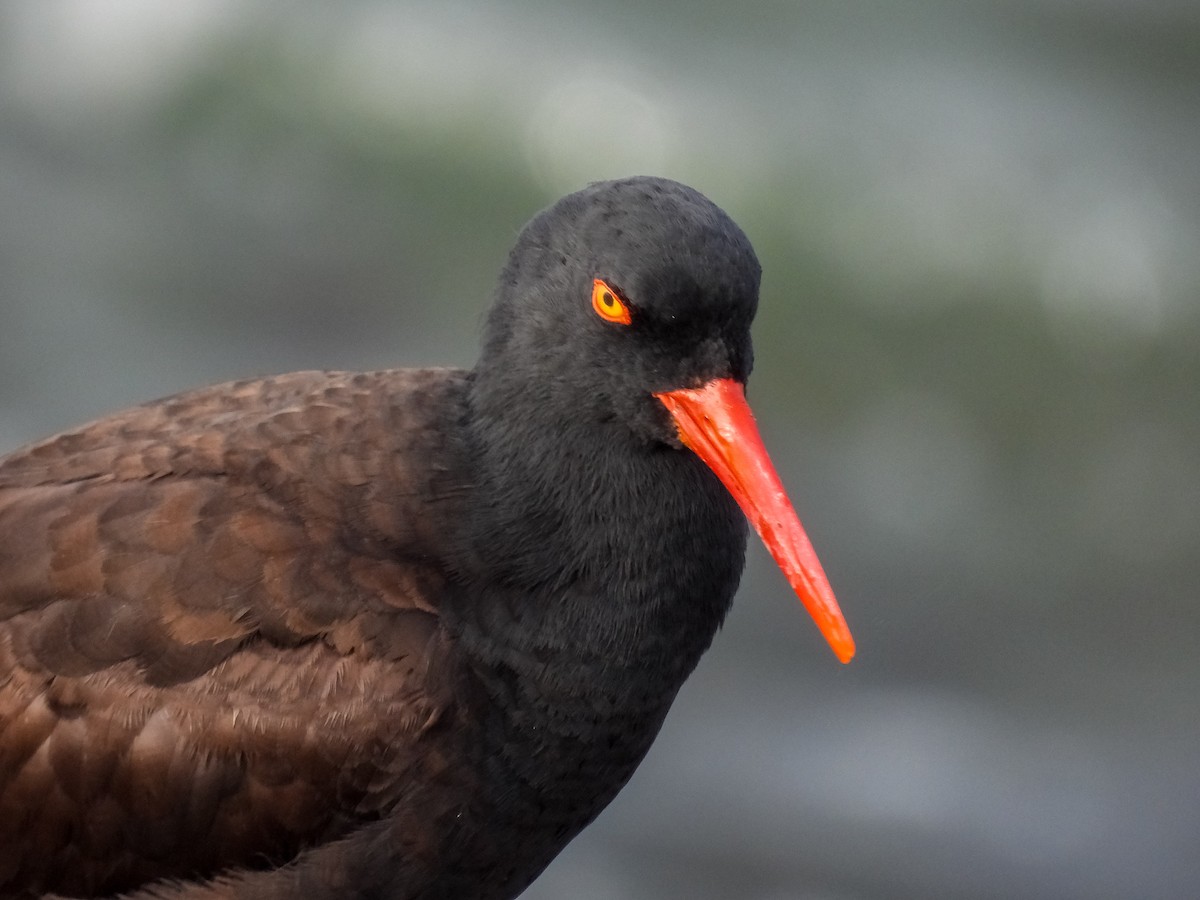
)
(253, 495)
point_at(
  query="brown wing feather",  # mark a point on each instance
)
(219, 640)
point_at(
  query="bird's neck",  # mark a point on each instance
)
(601, 559)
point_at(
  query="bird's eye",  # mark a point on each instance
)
(608, 305)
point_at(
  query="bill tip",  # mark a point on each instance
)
(842, 645)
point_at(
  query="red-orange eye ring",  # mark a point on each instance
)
(608, 304)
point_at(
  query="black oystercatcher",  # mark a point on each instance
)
(397, 634)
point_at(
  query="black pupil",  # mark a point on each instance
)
(608, 299)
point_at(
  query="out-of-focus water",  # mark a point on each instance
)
(977, 366)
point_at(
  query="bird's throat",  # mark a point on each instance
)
(614, 556)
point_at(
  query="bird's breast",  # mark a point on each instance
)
(576, 668)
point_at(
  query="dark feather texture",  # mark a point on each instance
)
(398, 634)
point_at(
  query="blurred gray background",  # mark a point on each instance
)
(977, 371)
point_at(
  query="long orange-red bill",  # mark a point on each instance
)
(715, 422)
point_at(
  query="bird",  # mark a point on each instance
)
(392, 634)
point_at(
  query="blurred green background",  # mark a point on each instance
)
(977, 366)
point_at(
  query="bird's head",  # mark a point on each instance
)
(630, 302)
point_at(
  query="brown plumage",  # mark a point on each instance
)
(210, 656)
(398, 634)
